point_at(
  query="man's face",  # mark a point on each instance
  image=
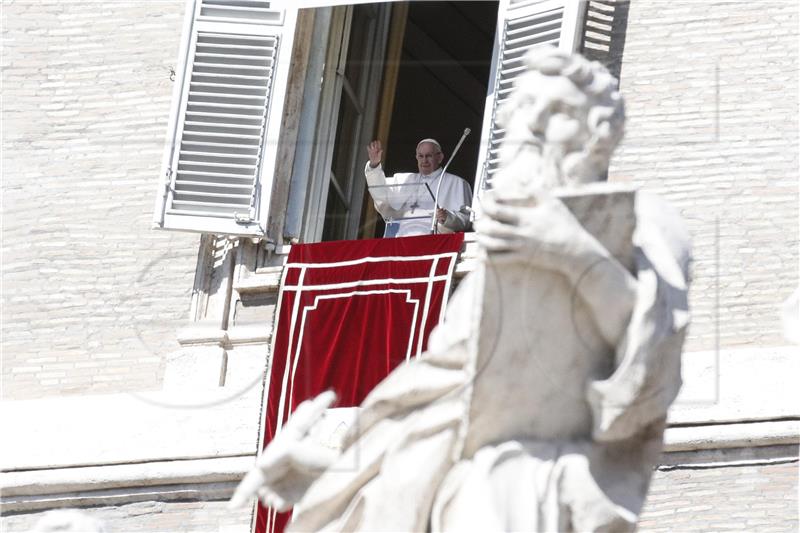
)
(429, 157)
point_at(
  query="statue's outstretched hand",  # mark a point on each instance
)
(291, 462)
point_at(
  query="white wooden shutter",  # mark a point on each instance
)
(522, 25)
(226, 118)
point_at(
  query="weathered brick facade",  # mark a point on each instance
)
(711, 90)
(92, 297)
(742, 498)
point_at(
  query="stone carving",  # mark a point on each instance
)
(68, 520)
(541, 401)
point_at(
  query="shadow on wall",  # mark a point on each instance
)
(604, 31)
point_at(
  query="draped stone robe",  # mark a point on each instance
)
(520, 416)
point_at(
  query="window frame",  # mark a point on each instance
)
(324, 127)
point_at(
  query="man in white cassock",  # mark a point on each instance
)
(407, 206)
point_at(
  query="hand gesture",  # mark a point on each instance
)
(543, 233)
(441, 215)
(290, 463)
(375, 151)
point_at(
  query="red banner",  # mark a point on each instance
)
(349, 312)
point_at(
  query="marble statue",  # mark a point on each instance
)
(66, 520)
(541, 401)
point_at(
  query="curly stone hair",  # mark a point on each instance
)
(606, 115)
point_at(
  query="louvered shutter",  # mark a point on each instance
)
(522, 25)
(227, 111)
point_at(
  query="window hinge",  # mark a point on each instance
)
(168, 183)
(243, 218)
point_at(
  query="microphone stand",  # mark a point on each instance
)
(441, 179)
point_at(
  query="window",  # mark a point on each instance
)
(227, 107)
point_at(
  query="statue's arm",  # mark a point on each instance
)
(647, 377)
(604, 285)
(545, 234)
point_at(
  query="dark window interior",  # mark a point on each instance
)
(442, 82)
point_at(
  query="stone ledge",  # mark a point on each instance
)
(200, 336)
(731, 444)
(216, 477)
(152, 473)
(249, 334)
(738, 435)
(88, 431)
(266, 279)
(109, 497)
(729, 457)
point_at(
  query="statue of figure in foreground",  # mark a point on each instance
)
(541, 401)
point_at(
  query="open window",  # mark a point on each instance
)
(429, 79)
(447, 66)
(397, 71)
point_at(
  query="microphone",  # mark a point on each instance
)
(441, 178)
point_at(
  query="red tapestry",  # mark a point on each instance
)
(349, 312)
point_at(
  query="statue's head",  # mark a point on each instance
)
(562, 122)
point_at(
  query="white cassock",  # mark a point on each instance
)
(395, 203)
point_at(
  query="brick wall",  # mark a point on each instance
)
(742, 498)
(92, 296)
(712, 99)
